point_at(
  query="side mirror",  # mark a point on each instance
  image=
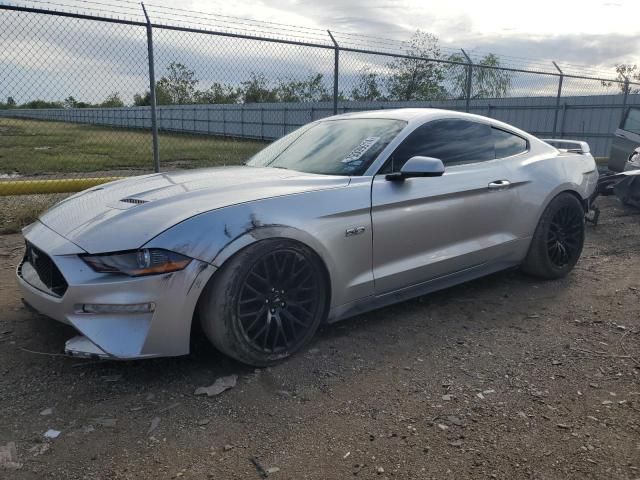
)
(419, 167)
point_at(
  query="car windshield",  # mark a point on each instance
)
(331, 147)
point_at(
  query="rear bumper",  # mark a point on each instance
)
(162, 331)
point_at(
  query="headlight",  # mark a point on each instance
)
(135, 263)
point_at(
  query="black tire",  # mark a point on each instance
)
(266, 302)
(558, 240)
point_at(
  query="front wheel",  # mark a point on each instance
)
(558, 240)
(266, 302)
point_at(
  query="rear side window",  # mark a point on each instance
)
(452, 141)
(508, 144)
(632, 122)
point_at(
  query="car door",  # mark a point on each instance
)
(425, 228)
(625, 140)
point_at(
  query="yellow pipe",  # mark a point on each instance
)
(62, 185)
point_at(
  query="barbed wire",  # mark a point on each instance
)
(176, 16)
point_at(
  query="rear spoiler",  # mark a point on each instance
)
(573, 146)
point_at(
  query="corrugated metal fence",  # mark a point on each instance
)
(589, 118)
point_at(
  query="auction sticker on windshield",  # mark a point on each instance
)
(360, 150)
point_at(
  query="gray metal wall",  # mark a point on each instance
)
(589, 118)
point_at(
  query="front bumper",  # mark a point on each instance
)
(163, 332)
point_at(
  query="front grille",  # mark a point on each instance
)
(47, 271)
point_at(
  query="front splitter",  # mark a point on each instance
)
(82, 347)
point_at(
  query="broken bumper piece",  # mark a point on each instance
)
(82, 347)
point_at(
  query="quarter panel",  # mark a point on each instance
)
(541, 175)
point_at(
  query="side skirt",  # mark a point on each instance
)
(374, 302)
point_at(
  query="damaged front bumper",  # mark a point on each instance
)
(118, 317)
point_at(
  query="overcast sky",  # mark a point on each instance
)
(598, 33)
(51, 58)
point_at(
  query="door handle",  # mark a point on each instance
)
(499, 185)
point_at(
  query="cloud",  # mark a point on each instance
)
(50, 57)
(600, 52)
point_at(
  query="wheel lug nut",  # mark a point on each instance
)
(282, 304)
(273, 310)
(266, 301)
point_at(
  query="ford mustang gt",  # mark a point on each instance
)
(341, 216)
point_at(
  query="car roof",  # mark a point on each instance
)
(407, 114)
(422, 115)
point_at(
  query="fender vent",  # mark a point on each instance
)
(135, 201)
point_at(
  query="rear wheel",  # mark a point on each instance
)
(266, 302)
(557, 242)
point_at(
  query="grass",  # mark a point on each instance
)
(34, 147)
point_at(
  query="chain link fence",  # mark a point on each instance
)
(85, 98)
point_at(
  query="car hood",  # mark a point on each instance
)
(126, 214)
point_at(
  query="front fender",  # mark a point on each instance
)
(273, 231)
(317, 219)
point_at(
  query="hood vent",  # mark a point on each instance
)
(135, 201)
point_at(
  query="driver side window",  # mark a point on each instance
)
(452, 141)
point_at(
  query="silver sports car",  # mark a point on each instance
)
(343, 215)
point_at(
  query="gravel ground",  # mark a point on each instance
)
(505, 377)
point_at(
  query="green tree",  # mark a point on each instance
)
(415, 78)
(178, 87)
(144, 100)
(42, 104)
(219, 93)
(485, 82)
(368, 86)
(258, 90)
(311, 89)
(11, 103)
(71, 102)
(624, 71)
(112, 101)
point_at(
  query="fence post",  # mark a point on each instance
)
(152, 94)
(261, 122)
(558, 96)
(285, 119)
(624, 99)
(469, 81)
(336, 69)
(564, 116)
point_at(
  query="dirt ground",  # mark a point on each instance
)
(505, 377)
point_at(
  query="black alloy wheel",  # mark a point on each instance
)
(557, 242)
(565, 236)
(266, 302)
(278, 301)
